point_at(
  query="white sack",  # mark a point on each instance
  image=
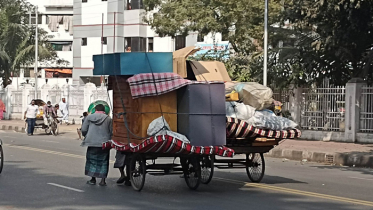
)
(239, 110)
(255, 95)
(160, 127)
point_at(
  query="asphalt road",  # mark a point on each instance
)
(47, 172)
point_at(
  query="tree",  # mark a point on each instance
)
(337, 38)
(17, 39)
(239, 21)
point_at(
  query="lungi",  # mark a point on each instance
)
(97, 162)
(120, 160)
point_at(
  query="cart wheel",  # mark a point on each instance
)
(54, 128)
(137, 172)
(207, 169)
(255, 166)
(1, 158)
(192, 172)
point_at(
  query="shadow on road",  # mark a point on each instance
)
(24, 186)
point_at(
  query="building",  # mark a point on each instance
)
(55, 17)
(111, 26)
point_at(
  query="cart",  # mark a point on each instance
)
(1, 156)
(141, 159)
(250, 141)
(51, 128)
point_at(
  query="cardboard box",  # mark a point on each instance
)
(131, 63)
(200, 70)
(210, 71)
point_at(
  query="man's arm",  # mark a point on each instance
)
(24, 116)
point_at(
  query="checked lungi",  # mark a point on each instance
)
(97, 162)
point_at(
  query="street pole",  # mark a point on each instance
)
(36, 53)
(102, 38)
(265, 43)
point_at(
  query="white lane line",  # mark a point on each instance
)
(65, 187)
(360, 178)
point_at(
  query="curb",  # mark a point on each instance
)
(344, 159)
(13, 128)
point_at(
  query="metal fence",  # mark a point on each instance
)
(366, 110)
(283, 96)
(323, 108)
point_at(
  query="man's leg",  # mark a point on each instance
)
(29, 126)
(33, 121)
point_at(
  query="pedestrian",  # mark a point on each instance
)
(79, 130)
(2, 109)
(97, 129)
(30, 116)
(48, 112)
(120, 163)
(64, 108)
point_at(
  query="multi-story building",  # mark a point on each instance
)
(55, 17)
(110, 26)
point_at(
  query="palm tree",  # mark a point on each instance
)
(17, 39)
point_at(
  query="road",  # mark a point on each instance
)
(47, 172)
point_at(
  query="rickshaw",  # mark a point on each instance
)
(52, 127)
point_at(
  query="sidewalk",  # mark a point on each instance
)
(345, 154)
(19, 126)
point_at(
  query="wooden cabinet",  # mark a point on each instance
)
(140, 112)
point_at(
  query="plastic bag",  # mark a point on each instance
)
(267, 120)
(239, 110)
(160, 127)
(255, 95)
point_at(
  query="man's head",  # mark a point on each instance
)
(49, 103)
(33, 102)
(64, 100)
(57, 106)
(85, 114)
(100, 108)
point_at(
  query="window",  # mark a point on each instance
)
(84, 41)
(150, 44)
(127, 44)
(33, 19)
(135, 44)
(179, 42)
(104, 40)
(61, 46)
(84, 1)
(133, 4)
(200, 37)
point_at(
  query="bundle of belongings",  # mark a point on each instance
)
(249, 114)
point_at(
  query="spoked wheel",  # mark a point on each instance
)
(1, 158)
(255, 166)
(192, 172)
(207, 169)
(54, 128)
(137, 171)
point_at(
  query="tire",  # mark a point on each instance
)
(137, 172)
(255, 166)
(192, 172)
(207, 169)
(1, 159)
(54, 128)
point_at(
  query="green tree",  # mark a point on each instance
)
(335, 38)
(240, 22)
(17, 39)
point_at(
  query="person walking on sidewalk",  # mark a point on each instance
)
(64, 108)
(2, 109)
(30, 116)
(97, 129)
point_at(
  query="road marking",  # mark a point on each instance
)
(48, 151)
(360, 178)
(297, 192)
(65, 187)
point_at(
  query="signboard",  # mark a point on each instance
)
(213, 49)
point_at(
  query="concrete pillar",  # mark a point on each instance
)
(88, 92)
(352, 117)
(295, 101)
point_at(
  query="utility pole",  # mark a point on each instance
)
(265, 43)
(36, 52)
(102, 38)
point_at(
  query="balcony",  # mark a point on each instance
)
(59, 3)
